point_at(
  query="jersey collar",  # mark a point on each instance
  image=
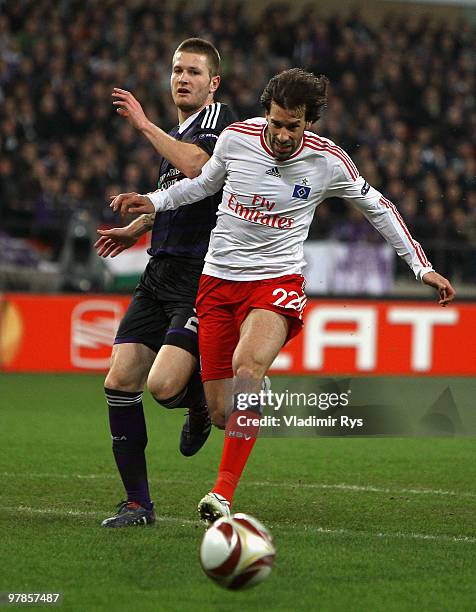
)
(188, 122)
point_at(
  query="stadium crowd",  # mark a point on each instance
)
(402, 104)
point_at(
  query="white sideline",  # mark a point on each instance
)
(92, 514)
(248, 483)
(364, 488)
(283, 526)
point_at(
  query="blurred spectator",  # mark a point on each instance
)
(401, 104)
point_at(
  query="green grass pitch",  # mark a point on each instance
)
(365, 524)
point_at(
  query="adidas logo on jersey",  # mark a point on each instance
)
(273, 172)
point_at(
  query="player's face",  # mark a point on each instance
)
(285, 130)
(191, 84)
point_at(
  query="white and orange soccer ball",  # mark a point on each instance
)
(237, 552)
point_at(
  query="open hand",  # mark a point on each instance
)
(129, 107)
(114, 241)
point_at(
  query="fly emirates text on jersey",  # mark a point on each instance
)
(260, 212)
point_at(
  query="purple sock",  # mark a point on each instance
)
(129, 439)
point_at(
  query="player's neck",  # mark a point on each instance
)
(184, 115)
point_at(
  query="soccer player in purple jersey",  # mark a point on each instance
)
(157, 341)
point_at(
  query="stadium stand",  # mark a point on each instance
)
(401, 104)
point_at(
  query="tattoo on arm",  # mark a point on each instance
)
(148, 220)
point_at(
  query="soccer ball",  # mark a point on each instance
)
(237, 552)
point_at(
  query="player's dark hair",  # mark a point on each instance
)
(296, 88)
(202, 47)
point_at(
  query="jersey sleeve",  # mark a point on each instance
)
(216, 118)
(381, 213)
(188, 191)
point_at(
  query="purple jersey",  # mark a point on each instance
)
(185, 232)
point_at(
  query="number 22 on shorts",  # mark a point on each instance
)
(289, 299)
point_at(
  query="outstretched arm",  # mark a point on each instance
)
(114, 241)
(186, 157)
(384, 216)
(186, 191)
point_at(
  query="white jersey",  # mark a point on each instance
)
(268, 205)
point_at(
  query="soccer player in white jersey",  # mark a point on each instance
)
(274, 174)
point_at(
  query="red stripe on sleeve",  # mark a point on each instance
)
(317, 147)
(418, 250)
(324, 143)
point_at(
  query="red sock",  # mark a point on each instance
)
(233, 460)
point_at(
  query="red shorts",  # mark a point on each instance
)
(223, 305)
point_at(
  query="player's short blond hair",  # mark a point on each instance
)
(202, 47)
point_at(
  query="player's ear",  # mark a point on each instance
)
(215, 83)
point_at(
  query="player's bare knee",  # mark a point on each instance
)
(122, 382)
(250, 370)
(162, 388)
